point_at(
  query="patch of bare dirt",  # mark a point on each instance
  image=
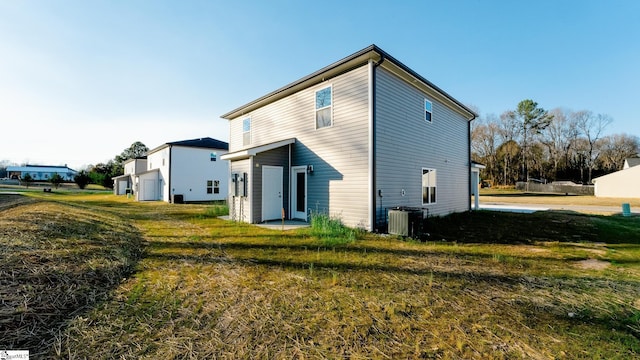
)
(593, 264)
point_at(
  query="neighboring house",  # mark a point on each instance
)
(123, 184)
(621, 184)
(631, 162)
(184, 171)
(351, 140)
(41, 172)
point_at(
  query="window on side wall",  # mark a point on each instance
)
(246, 131)
(428, 186)
(214, 156)
(216, 186)
(209, 187)
(428, 109)
(323, 108)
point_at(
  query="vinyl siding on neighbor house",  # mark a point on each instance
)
(160, 160)
(192, 167)
(620, 184)
(406, 143)
(339, 154)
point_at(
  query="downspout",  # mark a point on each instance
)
(290, 202)
(169, 176)
(373, 212)
(470, 173)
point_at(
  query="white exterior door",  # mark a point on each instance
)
(122, 187)
(299, 192)
(149, 189)
(271, 192)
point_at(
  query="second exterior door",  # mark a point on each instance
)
(299, 192)
(272, 196)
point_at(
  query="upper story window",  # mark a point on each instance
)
(246, 131)
(427, 110)
(428, 186)
(214, 156)
(323, 108)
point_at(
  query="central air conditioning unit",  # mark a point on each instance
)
(178, 199)
(405, 222)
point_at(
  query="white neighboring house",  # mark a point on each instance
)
(621, 184)
(184, 171)
(124, 182)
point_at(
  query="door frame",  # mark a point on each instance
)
(280, 169)
(294, 192)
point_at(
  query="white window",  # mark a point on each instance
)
(427, 110)
(246, 131)
(323, 108)
(428, 186)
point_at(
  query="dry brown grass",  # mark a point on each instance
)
(206, 288)
(57, 262)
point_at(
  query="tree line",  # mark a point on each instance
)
(530, 142)
(100, 174)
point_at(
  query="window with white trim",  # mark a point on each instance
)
(428, 186)
(209, 186)
(428, 106)
(214, 156)
(323, 108)
(246, 131)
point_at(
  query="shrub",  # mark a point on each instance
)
(82, 179)
(56, 180)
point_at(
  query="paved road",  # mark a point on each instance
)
(528, 208)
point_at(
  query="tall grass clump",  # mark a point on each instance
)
(331, 231)
(215, 211)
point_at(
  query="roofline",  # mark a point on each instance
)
(360, 58)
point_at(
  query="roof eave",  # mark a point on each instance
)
(355, 60)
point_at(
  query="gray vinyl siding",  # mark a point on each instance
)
(339, 154)
(275, 157)
(239, 206)
(406, 143)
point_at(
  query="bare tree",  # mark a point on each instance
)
(485, 139)
(592, 128)
(615, 149)
(558, 138)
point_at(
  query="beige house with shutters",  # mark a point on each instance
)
(351, 140)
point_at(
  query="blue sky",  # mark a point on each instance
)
(82, 80)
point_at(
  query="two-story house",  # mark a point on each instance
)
(123, 184)
(179, 171)
(352, 140)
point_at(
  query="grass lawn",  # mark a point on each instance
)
(520, 197)
(99, 276)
